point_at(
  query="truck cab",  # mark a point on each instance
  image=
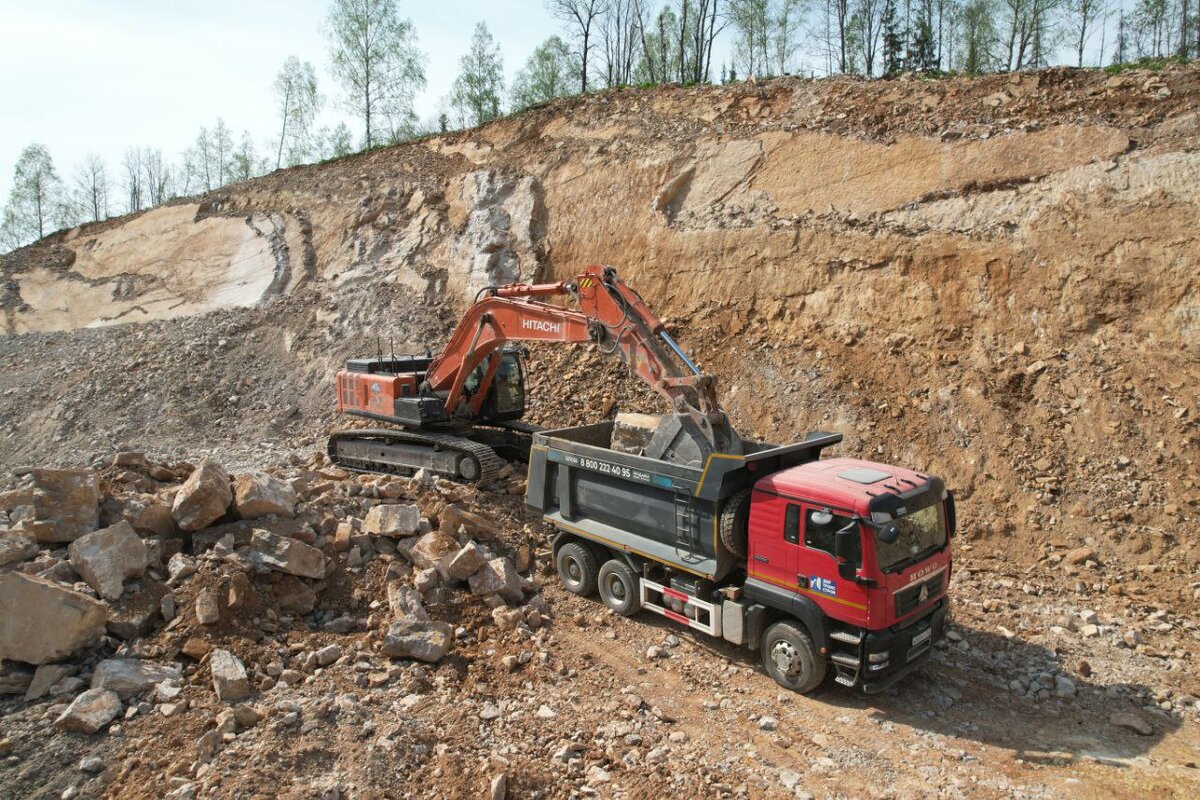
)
(859, 552)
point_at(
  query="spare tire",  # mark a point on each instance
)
(735, 517)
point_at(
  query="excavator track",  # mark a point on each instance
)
(403, 452)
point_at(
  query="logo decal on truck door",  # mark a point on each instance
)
(822, 585)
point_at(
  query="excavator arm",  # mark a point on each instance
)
(611, 315)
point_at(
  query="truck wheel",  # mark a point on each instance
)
(734, 518)
(619, 588)
(577, 568)
(791, 659)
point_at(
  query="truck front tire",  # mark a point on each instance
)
(619, 588)
(789, 656)
(577, 568)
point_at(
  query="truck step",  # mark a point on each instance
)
(844, 680)
(845, 660)
(848, 637)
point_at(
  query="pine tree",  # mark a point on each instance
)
(893, 40)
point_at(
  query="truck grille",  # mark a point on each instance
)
(909, 598)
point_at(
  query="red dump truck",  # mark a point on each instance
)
(815, 563)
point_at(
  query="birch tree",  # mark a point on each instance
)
(480, 82)
(299, 101)
(582, 20)
(375, 57)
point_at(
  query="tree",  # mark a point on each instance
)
(375, 57)
(91, 188)
(977, 48)
(1030, 31)
(36, 197)
(299, 101)
(156, 177)
(868, 23)
(243, 162)
(546, 75)
(922, 50)
(134, 187)
(221, 141)
(620, 40)
(480, 82)
(893, 40)
(580, 18)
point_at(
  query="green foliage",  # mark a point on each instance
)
(1147, 63)
(549, 73)
(299, 101)
(480, 81)
(375, 58)
(36, 200)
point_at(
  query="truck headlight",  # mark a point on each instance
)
(876, 658)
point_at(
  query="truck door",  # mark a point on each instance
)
(817, 572)
(774, 539)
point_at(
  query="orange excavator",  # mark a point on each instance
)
(454, 412)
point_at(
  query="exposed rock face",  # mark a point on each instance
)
(60, 506)
(40, 621)
(501, 224)
(229, 676)
(392, 519)
(204, 497)
(106, 558)
(286, 555)
(497, 576)
(423, 640)
(90, 712)
(257, 494)
(131, 676)
(16, 547)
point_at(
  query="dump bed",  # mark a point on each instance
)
(654, 509)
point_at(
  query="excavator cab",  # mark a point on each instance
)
(505, 400)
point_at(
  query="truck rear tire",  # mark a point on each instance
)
(619, 588)
(577, 568)
(734, 518)
(789, 656)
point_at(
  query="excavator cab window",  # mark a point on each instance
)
(509, 386)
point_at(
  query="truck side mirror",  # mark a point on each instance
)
(951, 514)
(889, 533)
(846, 550)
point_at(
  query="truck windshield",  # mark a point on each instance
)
(921, 532)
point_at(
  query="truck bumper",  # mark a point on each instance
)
(908, 647)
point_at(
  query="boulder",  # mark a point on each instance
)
(405, 601)
(105, 558)
(15, 678)
(147, 513)
(286, 555)
(41, 621)
(423, 640)
(16, 547)
(463, 564)
(203, 498)
(632, 433)
(393, 520)
(132, 676)
(208, 606)
(294, 596)
(180, 568)
(45, 677)
(257, 494)
(497, 576)
(1131, 722)
(134, 615)
(455, 517)
(90, 711)
(228, 676)
(64, 504)
(431, 548)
